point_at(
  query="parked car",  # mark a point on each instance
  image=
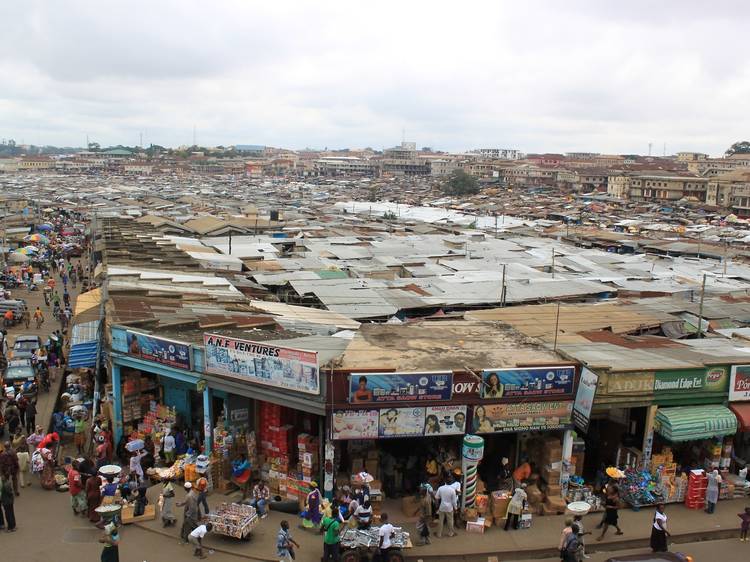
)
(653, 557)
(21, 376)
(24, 346)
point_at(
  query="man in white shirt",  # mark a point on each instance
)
(168, 446)
(448, 500)
(386, 533)
(196, 538)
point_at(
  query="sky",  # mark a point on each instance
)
(539, 76)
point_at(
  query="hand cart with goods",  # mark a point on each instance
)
(233, 520)
(362, 545)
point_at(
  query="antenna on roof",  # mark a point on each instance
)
(649, 148)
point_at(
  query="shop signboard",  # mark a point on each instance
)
(525, 416)
(368, 388)
(401, 422)
(679, 381)
(355, 424)
(271, 365)
(739, 383)
(635, 382)
(445, 420)
(159, 350)
(534, 382)
(430, 421)
(585, 399)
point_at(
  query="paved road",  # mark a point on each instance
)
(730, 550)
(45, 401)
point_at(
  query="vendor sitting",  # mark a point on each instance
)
(241, 474)
(363, 515)
(261, 497)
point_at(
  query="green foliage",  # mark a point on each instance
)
(740, 147)
(390, 215)
(460, 183)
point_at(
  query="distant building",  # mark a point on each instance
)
(403, 160)
(618, 185)
(691, 156)
(250, 149)
(730, 191)
(498, 153)
(344, 165)
(667, 188)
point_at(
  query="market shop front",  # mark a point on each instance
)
(739, 403)
(273, 406)
(406, 428)
(156, 386)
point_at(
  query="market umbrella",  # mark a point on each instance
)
(30, 249)
(44, 227)
(18, 258)
(36, 237)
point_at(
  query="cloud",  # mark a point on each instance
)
(539, 76)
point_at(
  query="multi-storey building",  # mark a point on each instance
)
(498, 153)
(667, 188)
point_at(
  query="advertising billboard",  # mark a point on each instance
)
(585, 399)
(368, 388)
(534, 382)
(260, 363)
(739, 383)
(159, 350)
(525, 416)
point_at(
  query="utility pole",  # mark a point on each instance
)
(230, 242)
(557, 324)
(502, 292)
(700, 308)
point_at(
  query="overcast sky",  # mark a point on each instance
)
(537, 76)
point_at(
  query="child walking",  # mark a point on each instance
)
(745, 526)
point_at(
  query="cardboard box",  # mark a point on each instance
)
(554, 490)
(470, 514)
(499, 504)
(475, 526)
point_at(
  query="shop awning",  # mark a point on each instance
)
(742, 412)
(84, 345)
(695, 422)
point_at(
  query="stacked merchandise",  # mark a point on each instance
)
(696, 490)
(665, 471)
(499, 504)
(309, 456)
(137, 393)
(739, 485)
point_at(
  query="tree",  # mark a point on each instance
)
(390, 216)
(94, 147)
(461, 183)
(740, 147)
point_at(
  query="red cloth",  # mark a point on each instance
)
(50, 439)
(74, 482)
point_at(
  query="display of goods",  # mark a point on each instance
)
(232, 519)
(614, 472)
(639, 487)
(355, 538)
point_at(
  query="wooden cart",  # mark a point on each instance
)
(233, 520)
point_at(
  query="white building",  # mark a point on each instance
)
(499, 153)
